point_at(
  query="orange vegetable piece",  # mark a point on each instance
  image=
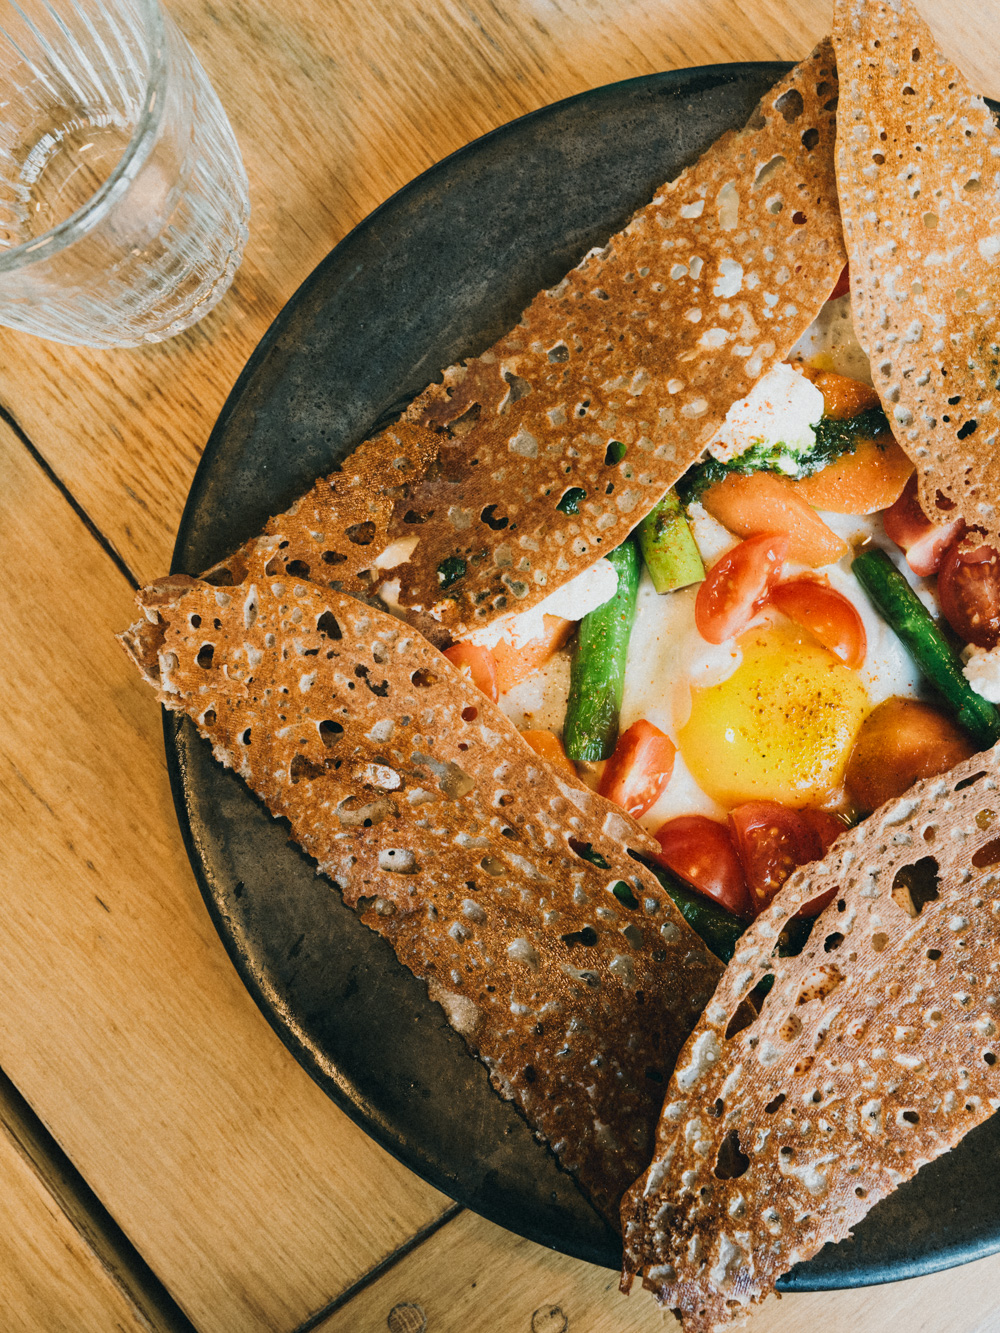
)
(516, 664)
(842, 397)
(901, 741)
(764, 502)
(550, 748)
(870, 479)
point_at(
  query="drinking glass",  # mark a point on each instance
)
(123, 198)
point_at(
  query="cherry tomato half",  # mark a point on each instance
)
(700, 851)
(826, 614)
(825, 828)
(476, 663)
(922, 541)
(771, 840)
(969, 592)
(737, 584)
(843, 284)
(639, 769)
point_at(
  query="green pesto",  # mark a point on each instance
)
(833, 440)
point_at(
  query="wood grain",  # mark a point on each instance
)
(57, 1237)
(50, 1278)
(122, 1020)
(471, 1276)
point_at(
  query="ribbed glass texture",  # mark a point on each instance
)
(123, 198)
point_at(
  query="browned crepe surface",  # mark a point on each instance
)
(918, 165)
(421, 802)
(643, 348)
(875, 1052)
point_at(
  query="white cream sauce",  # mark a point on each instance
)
(589, 590)
(831, 343)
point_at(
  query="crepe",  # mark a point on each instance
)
(917, 169)
(561, 960)
(528, 462)
(875, 1051)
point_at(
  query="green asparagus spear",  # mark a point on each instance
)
(931, 651)
(597, 677)
(668, 548)
(718, 928)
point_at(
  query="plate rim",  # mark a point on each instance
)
(799, 1279)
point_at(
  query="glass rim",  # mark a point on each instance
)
(97, 207)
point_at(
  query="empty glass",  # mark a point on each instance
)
(123, 198)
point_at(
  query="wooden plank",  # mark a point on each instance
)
(470, 1275)
(122, 1020)
(50, 1278)
(64, 1265)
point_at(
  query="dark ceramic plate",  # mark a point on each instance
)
(435, 274)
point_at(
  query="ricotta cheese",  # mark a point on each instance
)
(982, 671)
(779, 412)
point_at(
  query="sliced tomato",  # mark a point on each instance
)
(923, 542)
(771, 840)
(516, 664)
(640, 768)
(700, 851)
(549, 747)
(737, 585)
(969, 592)
(826, 614)
(843, 284)
(477, 663)
(824, 827)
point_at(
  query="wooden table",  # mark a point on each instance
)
(164, 1162)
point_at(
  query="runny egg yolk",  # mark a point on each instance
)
(780, 728)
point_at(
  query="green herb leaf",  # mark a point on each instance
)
(833, 440)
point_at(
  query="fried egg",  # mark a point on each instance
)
(780, 728)
(772, 714)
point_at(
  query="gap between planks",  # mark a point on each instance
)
(39, 458)
(380, 1269)
(124, 1265)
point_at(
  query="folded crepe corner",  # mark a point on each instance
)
(918, 171)
(493, 880)
(874, 1052)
